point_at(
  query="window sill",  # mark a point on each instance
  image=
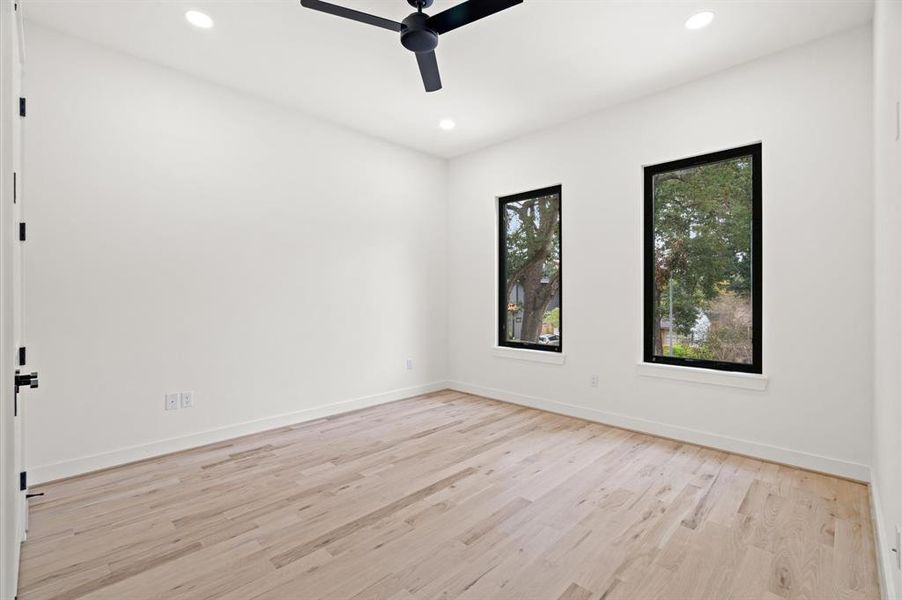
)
(747, 381)
(551, 358)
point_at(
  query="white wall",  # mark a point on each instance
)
(185, 237)
(887, 449)
(811, 107)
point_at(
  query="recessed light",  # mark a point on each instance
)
(700, 20)
(199, 19)
(446, 124)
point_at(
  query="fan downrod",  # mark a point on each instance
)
(420, 4)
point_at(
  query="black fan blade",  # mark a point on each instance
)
(466, 13)
(429, 71)
(350, 13)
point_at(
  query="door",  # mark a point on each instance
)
(18, 249)
(12, 498)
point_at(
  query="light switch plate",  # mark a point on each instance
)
(187, 399)
(172, 401)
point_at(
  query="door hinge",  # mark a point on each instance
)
(22, 356)
(23, 481)
(15, 188)
(21, 107)
(21, 232)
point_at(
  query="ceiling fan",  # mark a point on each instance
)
(419, 32)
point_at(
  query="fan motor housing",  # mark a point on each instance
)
(416, 36)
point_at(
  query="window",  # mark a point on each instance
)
(529, 270)
(703, 261)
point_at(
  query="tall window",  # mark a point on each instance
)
(529, 259)
(703, 261)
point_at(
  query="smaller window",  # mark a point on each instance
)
(529, 270)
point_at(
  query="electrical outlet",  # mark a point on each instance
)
(172, 401)
(409, 364)
(187, 399)
(594, 381)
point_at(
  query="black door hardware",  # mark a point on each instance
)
(28, 379)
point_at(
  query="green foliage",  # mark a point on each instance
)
(692, 351)
(703, 224)
(532, 236)
(533, 258)
(553, 318)
(687, 304)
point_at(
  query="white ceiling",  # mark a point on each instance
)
(536, 64)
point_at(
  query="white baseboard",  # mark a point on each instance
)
(885, 558)
(814, 462)
(86, 464)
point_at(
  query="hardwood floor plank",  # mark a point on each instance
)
(449, 495)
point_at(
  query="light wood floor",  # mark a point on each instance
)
(450, 496)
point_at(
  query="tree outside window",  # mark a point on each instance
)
(702, 255)
(530, 270)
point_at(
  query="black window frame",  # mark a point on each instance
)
(756, 367)
(502, 340)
